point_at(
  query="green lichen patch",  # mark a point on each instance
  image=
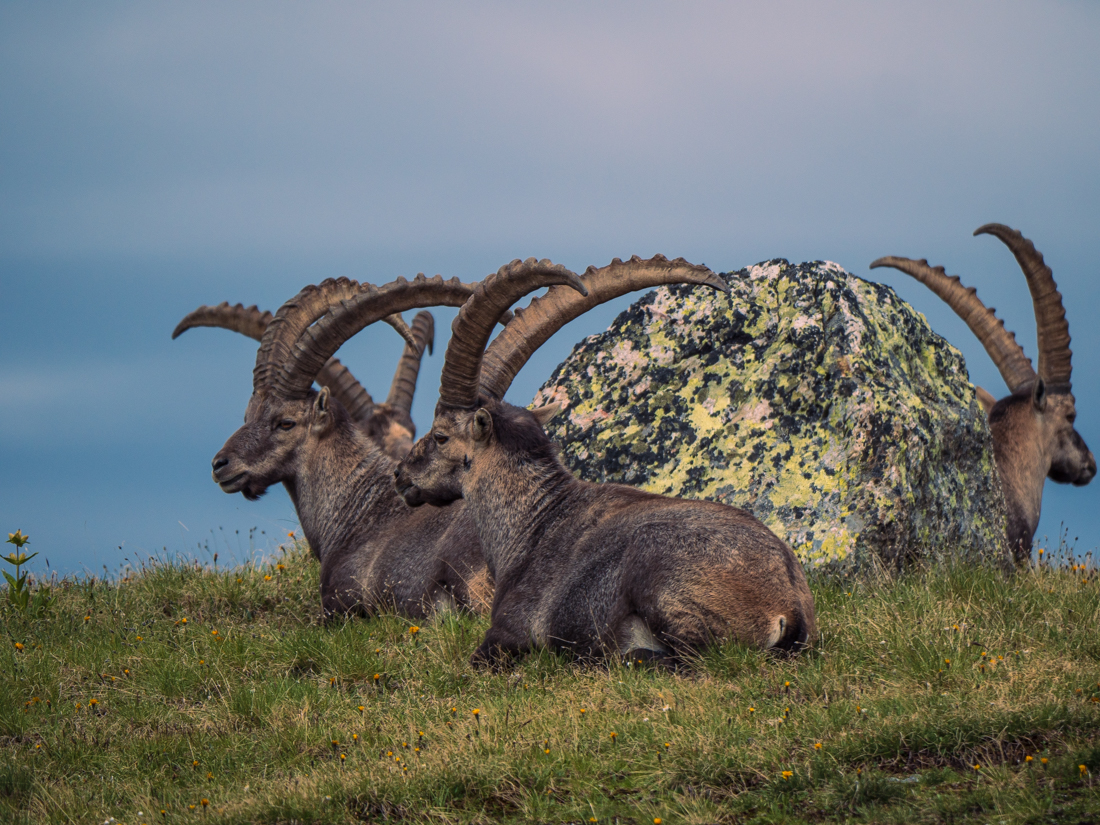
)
(820, 402)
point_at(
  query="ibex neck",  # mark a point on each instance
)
(1023, 466)
(513, 502)
(342, 482)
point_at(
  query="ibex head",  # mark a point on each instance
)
(277, 432)
(471, 415)
(1033, 427)
(388, 424)
(434, 470)
(286, 420)
(285, 416)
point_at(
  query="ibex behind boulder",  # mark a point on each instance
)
(591, 569)
(1033, 433)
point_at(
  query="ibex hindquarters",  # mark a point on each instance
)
(668, 576)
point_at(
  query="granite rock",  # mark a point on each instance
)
(821, 402)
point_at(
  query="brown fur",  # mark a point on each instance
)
(375, 552)
(592, 569)
(389, 429)
(1034, 439)
(1033, 434)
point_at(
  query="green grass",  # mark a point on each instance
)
(179, 684)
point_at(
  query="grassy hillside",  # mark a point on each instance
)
(188, 695)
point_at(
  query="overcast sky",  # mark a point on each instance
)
(156, 157)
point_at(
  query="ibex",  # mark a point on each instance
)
(374, 550)
(389, 423)
(1032, 427)
(592, 569)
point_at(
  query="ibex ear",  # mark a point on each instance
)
(1039, 396)
(546, 412)
(322, 416)
(986, 399)
(482, 425)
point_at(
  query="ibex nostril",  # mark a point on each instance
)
(218, 463)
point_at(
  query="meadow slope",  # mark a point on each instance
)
(180, 693)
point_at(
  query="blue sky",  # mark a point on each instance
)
(157, 157)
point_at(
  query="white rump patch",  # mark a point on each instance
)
(777, 632)
(637, 635)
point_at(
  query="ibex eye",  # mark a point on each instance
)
(287, 424)
(440, 438)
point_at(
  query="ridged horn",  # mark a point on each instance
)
(347, 316)
(458, 386)
(346, 389)
(408, 368)
(251, 322)
(1007, 355)
(294, 318)
(1051, 327)
(535, 324)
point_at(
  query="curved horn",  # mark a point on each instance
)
(404, 380)
(458, 386)
(347, 316)
(1014, 366)
(346, 389)
(1051, 327)
(544, 316)
(250, 321)
(239, 318)
(295, 316)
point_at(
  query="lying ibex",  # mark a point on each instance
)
(588, 568)
(1033, 433)
(389, 423)
(374, 550)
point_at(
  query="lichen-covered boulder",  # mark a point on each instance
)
(822, 403)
